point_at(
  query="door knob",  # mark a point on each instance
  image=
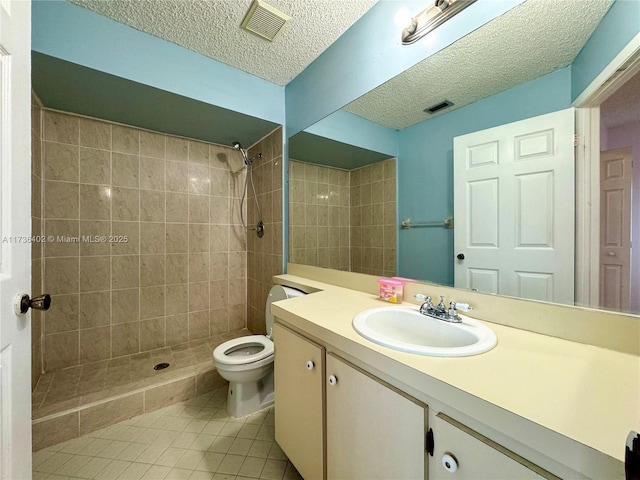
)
(23, 303)
(310, 365)
(460, 256)
(333, 379)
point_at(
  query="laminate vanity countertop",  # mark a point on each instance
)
(583, 393)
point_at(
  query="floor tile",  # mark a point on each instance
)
(192, 440)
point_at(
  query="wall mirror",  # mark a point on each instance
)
(514, 68)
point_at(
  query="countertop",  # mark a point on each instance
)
(587, 394)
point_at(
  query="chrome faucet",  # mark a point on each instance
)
(440, 311)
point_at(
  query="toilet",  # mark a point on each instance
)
(247, 362)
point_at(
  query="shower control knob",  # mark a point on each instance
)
(23, 303)
(310, 365)
(333, 379)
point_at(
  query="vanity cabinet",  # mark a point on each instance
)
(463, 454)
(335, 421)
(373, 431)
(299, 401)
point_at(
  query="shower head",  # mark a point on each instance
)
(237, 145)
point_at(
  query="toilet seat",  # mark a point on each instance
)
(223, 353)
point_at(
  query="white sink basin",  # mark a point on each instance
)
(407, 330)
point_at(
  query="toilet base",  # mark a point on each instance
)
(249, 397)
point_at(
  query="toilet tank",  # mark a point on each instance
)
(278, 292)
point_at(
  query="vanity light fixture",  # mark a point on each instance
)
(431, 18)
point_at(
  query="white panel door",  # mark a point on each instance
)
(15, 229)
(615, 229)
(514, 209)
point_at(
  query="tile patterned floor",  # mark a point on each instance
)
(194, 440)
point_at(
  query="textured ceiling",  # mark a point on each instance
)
(531, 40)
(623, 107)
(212, 28)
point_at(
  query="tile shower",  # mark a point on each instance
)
(146, 263)
(344, 219)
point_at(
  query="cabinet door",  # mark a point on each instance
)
(475, 457)
(299, 393)
(373, 431)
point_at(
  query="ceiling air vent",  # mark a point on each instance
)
(438, 107)
(264, 20)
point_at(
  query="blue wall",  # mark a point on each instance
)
(77, 35)
(615, 31)
(369, 54)
(425, 168)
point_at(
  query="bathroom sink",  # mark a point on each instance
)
(407, 330)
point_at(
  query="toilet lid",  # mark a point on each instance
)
(243, 350)
(278, 292)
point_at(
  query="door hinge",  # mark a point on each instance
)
(576, 139)
(430, 442)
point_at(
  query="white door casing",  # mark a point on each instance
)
(615, 229)
(15, 232)
(514, 189)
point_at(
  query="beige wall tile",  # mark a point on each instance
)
(152, 238)
(152, 302)
(152, 144)
(125, 204)
(98, 232)
(198, 325)
(136, 184)
(55, 431)
(177, 299)
(94, 133)
(198, 296)
(108, 413)
(61, 275)
(125, 271)
(152, 206)
(65, 235)
(177, 329)
(152, 270)
(125, 339)
(95, 309)
(198, 209)
(198, 267)
(95, 274)
(61, 350)
(177, 178)
(174, 392)
(152, 173)
(61, 162)
(63, 315)
(125, 139)
(125, 305)
(198, 153)
(177, 268)
(152, 334)
(125, 170)
(62, 128)
(219, 320)
(95, 344)
(126, 239)
(62, 200)
(177, 149)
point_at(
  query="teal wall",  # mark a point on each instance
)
(79, 36)
(425, 168)
(615, 31)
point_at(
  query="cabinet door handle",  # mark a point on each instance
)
(333, 379)
(449, 463)
(310, 365)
